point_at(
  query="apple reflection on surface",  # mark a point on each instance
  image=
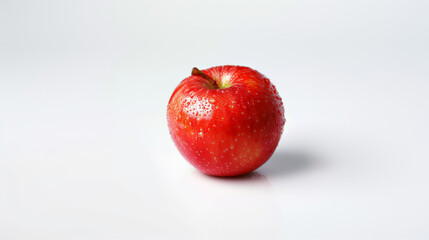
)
(222, 208)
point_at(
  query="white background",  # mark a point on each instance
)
(85, 151)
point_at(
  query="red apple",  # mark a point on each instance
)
(226, 120)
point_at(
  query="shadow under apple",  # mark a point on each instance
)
(285, 163)
(282, 163)
(248, 177)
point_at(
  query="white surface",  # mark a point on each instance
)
(84, 146)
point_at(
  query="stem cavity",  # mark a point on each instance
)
(199, 73)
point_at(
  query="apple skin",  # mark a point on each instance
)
(226, 120)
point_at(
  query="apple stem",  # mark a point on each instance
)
(197, 72)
